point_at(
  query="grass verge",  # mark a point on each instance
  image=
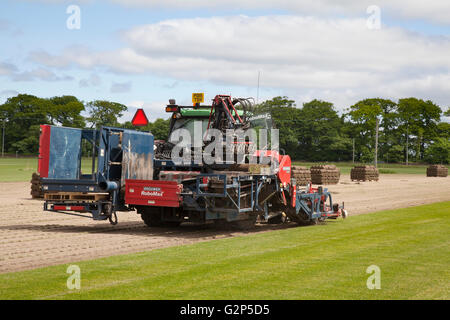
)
(17, 169)
(21, 169)
(411, 247)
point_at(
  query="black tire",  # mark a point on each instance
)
(151, 220)
(302, 219)
(240, 225)
(278, 219)
(152, 217)
(243, 225)
(170, 224)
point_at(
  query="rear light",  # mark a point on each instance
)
(172, 109)
(69, 208)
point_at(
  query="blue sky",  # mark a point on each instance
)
(152, 51)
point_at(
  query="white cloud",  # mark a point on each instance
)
(39, 74)
(436, 11)
(93, 81)
(121, 87)
(9, 28)
(306, 56)
(11, 71)
(72, 55)
(7, 68)
(8, 93)
(432, 10)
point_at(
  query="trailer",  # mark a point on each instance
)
(116, 155)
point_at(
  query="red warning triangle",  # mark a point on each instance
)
(140, 119)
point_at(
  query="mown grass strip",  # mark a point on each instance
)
(21, 169)
(411, 247)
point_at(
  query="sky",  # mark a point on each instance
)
(144, 52)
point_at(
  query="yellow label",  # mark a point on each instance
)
(198, 97)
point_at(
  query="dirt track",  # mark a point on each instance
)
(31, 238)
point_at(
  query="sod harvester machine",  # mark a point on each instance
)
(128, 171)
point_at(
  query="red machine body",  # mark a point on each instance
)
(44, 151)
(284, 162)
(153, 193)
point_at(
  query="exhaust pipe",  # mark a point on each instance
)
(108, 185)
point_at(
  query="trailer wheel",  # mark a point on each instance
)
(277, 219)
(243, 225)
(240, 225)
(152, 218)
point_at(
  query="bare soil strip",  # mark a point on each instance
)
(31, 238)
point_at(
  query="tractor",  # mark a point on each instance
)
(220, 171)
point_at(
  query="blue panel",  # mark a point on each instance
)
(102, 143)
(64, 153)
(137, 155)
(141, 142)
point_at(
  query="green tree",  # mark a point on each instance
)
(105, 113)
(340, 149)
(320, 135)
(394, 154)
(160, 129)
(363, 116)
(418, 124)
(438, 151)
(129, 125)
(277, 102)
(66, 111)
(286, 118)
(443, 130)
(23, 114)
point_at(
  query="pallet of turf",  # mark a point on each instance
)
(364, 173)
(302, 175)
(325, 174)
(36, 187)
(437, 170)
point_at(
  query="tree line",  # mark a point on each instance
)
(22, 115)
(408, 130)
